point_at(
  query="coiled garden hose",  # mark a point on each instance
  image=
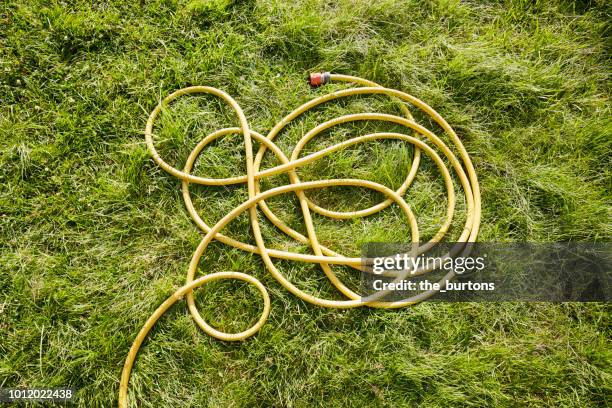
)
(322, 255)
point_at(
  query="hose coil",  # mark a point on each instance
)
(325, 257)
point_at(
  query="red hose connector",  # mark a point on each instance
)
(318, 78)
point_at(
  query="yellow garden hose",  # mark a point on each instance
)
(321, 255)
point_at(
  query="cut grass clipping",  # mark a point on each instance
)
(93, 235)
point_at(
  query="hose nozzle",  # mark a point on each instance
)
(318, 78)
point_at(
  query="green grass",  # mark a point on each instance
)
(94, 236)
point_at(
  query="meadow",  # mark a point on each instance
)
(94, 236)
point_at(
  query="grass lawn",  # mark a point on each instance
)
(94, 236)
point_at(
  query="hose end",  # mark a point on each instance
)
(318, 78)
